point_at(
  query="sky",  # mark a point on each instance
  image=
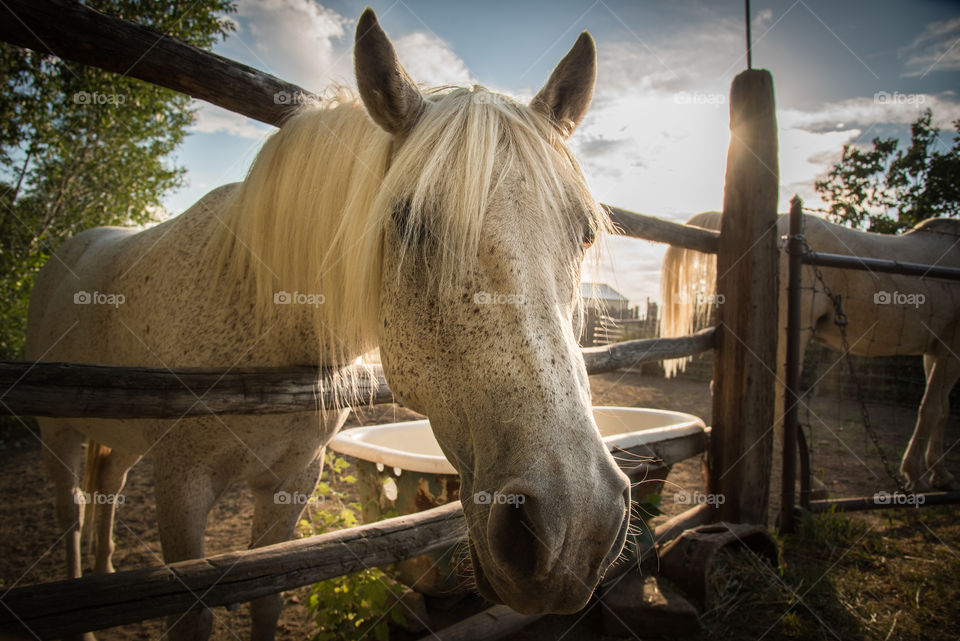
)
(655, 139)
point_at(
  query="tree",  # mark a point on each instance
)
(889, 190)
(81, 147)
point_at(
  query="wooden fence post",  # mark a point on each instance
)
(741, 445)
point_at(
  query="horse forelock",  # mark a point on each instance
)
(466, 148)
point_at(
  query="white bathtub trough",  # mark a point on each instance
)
(411, 445)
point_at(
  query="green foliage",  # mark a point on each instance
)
(889, 190)
(81, 147)
(356, 605)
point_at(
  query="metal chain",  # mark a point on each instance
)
(840, 320)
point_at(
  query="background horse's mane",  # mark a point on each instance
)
(682, 310)
(311, 213)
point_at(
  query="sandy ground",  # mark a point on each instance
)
(842, 455)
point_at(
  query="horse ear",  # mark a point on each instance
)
(566, 96)
(390, 96)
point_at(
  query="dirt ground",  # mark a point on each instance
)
(842, 455)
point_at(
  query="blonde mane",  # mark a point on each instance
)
(310, 216)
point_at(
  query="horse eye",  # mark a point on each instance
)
(589, 236)
(401, 214)
(415, 233)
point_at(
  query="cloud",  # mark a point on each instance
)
(937, 48)
(297, 40)
(430, 61)
(311, 45)
(212, 119)
(882, 107)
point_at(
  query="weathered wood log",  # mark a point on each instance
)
(80, 390)
(664, 231)
(491, 624)
(95, 602)
(646, 350)
(746, 343)
(75, 32)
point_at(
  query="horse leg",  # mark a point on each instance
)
(185, 494)
(113, 476)
(939, 477)
(277, 510)
(926, 443)
(63, 457)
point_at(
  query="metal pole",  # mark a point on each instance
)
(791, 398)
(804, 466)
(749, 44)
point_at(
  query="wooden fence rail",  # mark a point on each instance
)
(95, 602)
(75, 32)
(658, 230)
(71, 390)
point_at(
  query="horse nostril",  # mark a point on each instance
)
(513, 534)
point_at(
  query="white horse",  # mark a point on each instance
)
(888, 315)
(365, 224)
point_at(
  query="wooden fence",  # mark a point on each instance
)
(744, 342)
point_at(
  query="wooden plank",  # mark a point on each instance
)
(75, 32)
(663, 231)
(95, 602)
(82, 390)
(747, 267)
